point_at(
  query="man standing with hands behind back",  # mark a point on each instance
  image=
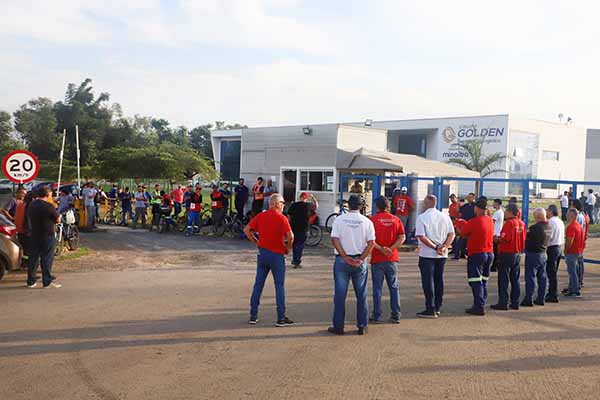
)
(272, 228)
(353, 237)
(389, 235)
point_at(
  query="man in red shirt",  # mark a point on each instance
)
(177, 196)
(389, 235)
(574, 245)
(511, 243)
(217, 206)
(480, 249)
(454, 207)
(273, 229)
(403, 205)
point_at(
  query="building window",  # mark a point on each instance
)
(550, 155)
(316, 181)
(546, 185)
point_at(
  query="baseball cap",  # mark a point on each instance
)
(404, 189)
(303, 195)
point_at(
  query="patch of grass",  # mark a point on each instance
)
(75, 254)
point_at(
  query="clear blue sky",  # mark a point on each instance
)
(264, 62)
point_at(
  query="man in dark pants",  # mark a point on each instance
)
(511, 243)
(480, 249)
(467, 212)
(554, 252)
(299, 214)
(536, 245)
(42, 216)
(273, 229)
(435, 233)
(241, 198)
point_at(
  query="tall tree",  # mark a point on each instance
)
(200, 140)
(5, 126)
(36, 122)
(477, 160)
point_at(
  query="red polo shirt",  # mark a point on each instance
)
(403, 203)
(480, 232)
(575, 231)
(387, 229)
(272, 228)
(454, 210)
(512, 236)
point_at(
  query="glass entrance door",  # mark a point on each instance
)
(289, 178)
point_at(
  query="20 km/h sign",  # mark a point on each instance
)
(20, 166)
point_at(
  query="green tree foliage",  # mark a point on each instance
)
(36, 122)
(477, 160)
(7, 142)
(166, 160)
(200, 136)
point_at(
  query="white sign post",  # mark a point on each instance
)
(20, 166)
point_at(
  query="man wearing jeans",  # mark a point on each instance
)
(389, 235)
(573, 251)
(299, 214)
(273, 229)
(480, 250)
(353, 238)
(89, 195)
(511, 243)
(554, 252)
(536, 245)
(435, 233)
(42, 217)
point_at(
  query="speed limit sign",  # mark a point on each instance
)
(20, 166)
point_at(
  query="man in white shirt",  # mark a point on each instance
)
(554, 252)
(564, 205)
(435, 233)
(89, 195)
(498, 218)
(590, 201)
(353, 238)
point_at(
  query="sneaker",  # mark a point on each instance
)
(284, 322)
(33, 285)
(474, 311)
(427, 314)
(374, 321)
(526, 304)
(253, 321)
(573, 294)
(53, 285)
(551, 299)
(538, 302)
(502, 307)
(362, 330)
(438, 312)
(395, 320)
(335, 331)
(514, 306)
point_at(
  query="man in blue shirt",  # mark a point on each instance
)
(125, 198)
(241, 198)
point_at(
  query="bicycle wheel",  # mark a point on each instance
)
(73, 241)
(329, 221)
(314, 236)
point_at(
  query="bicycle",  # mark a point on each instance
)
(331, 218)
(314, 236)
(166, 221)
(112, 215)
(67, 233)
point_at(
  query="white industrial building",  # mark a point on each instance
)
(310, 157)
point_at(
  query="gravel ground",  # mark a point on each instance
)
(146, 316)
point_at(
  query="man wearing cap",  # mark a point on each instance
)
(435, 233)
(536, 245)
(353, 237)
(299, 214)
(389, 235)
(479, 231)
(273, 230)
(511, 243)
(554, 252)
(403, 205)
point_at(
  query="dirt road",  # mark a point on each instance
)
(152, 317)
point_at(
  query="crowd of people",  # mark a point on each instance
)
(485, 235)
